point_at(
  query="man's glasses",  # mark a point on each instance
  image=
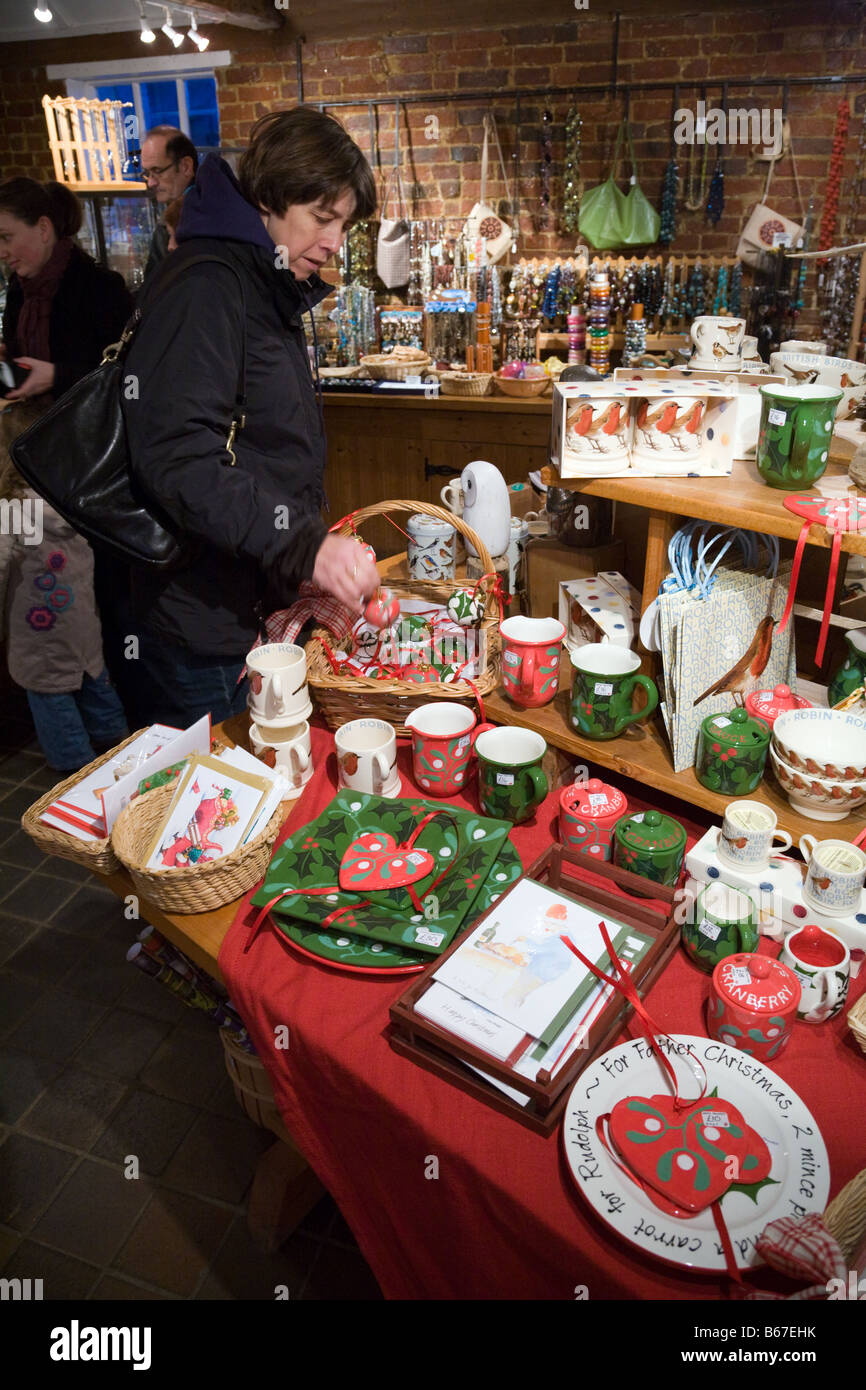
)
(148, 174)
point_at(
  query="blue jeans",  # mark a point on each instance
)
(180, 687)
(68, 726)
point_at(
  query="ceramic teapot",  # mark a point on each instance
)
(487, 506)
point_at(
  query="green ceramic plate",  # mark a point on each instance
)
(346, 951)
(311, 857)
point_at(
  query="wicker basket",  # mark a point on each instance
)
(199, 888)
(519, 386)
(341, 698)
(381, 367)
(857, 1021)
(252, 1088)
(465, 383)
(845, 1217)
(339, 373)
(97, 855)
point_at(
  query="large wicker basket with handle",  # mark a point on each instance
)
(341, 698)
(198, 888)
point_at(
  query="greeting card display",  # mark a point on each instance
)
(214, 806)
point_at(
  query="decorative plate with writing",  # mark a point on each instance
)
(799, 1180)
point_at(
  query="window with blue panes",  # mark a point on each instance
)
(202, 111)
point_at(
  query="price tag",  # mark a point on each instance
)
(463, 743)
(710, 929)
(505, 779)
(740, 975)
(425, 937)
(597, 799)
(722, 722)
(512, 659)
(717, 1118)
(777, 417)
(603, 688)
(781, 239)
(638, 818)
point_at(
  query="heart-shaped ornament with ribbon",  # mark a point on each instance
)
(375, 861)
(690, 1155)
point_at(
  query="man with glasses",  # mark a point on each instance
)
(168, 166)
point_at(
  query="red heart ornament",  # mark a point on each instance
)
(375, 861)
(689, 1156)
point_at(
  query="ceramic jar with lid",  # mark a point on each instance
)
(769, 704)
(588, 812)
(650, 844)
(753, 1004)
(431, 548)
(732, 751)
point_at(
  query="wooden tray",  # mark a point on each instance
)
(444, 1054)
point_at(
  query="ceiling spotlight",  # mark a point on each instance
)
(43, 14)
(147, 34)
(200, 43)
(170, 33)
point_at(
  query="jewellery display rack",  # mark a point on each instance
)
(451, 1057)
(88, 145)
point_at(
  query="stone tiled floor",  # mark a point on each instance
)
(99, 1062)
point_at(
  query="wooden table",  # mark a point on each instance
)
(284, 1187)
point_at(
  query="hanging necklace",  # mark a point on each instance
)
(696, 190)
(670, 188)
(542, 221)
(829, 217)
(571, 172)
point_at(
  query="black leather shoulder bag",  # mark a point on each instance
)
(76, 455)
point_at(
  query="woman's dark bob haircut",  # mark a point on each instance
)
(28, 201)
(301, 156)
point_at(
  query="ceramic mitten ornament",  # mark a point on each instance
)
(383, 609)
(466, 608)
(689, 1156)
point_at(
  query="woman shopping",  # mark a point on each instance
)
(61, 310)
(248, 502)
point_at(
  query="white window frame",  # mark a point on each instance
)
(82, 79)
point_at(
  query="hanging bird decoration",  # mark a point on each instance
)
(752, 663)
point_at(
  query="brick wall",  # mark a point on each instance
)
(442, 155)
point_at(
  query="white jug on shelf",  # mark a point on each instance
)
(487, 506)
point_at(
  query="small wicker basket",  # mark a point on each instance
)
(857, 1021)
(96, 855)
(341, 698)
(382, 367)
(465, 383)
(198, 888)
(252, 1088)
(520, 386)
(845, 1217)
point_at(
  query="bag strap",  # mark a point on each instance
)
(633, 179)
(117, 350)
(617, 147)
(490, 124)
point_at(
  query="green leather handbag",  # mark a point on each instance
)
(610, 218)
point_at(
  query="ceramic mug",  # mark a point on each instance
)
(443, 735)
(795, 434)
(531, 648)
(431, 547)
(598, 431)
(452, 497)
(718, 341)
(669, 427)
(822, 964)
(802, 345)
(367, 757)
(278, 684)
(725, 923)
(835, 877)
(605, 676)
(750, 349)
(288, 749)
(515, 553)
(511, 782)
(747, 835)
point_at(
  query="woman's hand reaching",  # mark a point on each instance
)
(344, 570)
(40, 380)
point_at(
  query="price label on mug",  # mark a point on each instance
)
(603, 688)
(710, 929)
(722, 722)
(740, 975)
(505, 779)
(512, 659)
(597, 799)
(463, 743)
(777, 417)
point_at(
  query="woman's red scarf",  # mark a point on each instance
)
(32, 331)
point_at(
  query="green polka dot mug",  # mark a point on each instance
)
(795, 434)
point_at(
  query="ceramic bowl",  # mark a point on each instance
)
(840, 373)
(824, 742)
(818, 797)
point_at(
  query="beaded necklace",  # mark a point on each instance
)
(571, 172)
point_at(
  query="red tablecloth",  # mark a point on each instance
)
(503, 1219)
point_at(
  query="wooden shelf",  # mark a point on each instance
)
(742, 499)
(643, 755)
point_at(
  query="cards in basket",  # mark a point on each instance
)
(210, 813)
